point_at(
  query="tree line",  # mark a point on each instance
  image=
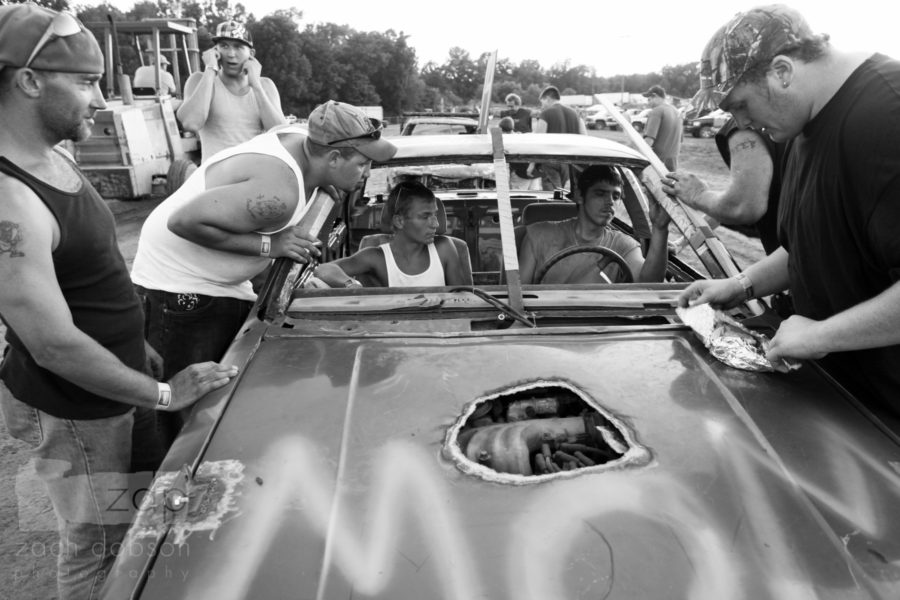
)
(313, 63)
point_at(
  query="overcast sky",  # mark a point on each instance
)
(612, 37)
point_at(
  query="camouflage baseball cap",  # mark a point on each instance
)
(747, 41)
(232, 30)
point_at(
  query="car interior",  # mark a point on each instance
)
(468, 215)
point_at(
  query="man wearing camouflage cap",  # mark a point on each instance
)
(840, 201)
(229, 102)
(73, 385)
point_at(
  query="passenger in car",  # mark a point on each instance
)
(415, 255)
(599, 186)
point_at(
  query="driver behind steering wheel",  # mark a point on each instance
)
(600, 187)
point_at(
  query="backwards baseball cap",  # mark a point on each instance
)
(750, 39)
(655, 90)
(232, 30)
(34, 36)
(342, 125)
(550, 90)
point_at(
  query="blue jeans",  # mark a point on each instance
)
(90, 468)
(187, 329)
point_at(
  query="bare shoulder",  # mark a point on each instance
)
(19, 200)
(194, 78)
(371, 256)
(269, 86)
(27, 227)
(264, 169)
(445, 246)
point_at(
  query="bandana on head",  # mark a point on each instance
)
(22, 26)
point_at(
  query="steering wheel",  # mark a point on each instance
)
(608, 256)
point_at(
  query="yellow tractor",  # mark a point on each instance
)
(137, 149)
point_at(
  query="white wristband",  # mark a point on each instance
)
(165, 395)
(746, 284)
(265, 245)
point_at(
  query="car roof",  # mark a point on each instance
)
(443, 120)
(479, 148)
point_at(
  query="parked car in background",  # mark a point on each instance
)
(508, 441)
(438, 124)
(708, 125)
(597, 117)
(639, 118)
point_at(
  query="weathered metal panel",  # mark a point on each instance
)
(759, 486)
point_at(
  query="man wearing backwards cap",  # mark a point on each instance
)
(199, 249)
(73, 384)
(229, 102)
(840, 200)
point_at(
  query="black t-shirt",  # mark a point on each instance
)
(560, 119)
(521, 117)
(767, 226)
(840, 217)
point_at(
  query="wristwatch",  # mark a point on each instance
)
(746, 284)
(214, 69)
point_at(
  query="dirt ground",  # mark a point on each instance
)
(28, 546)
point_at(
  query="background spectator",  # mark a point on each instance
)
(145, 76)
(555, 118)
(518, 113)
(519, 179)
(664, 130)
(229, 102)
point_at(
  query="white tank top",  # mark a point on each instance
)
(232, 120)
(165, 261)
(433, 275)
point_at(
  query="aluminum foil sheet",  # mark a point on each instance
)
(729, 341)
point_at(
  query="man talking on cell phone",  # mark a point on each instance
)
(229, 102)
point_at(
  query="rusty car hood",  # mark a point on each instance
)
(336, 478)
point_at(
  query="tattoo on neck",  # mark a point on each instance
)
(10, 238)
(266, 208)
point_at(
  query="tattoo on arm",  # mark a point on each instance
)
(265, 208)
(744, 146)
(10, 239)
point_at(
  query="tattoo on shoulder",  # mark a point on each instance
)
(744, 145)
(10, 239)
(266, 208)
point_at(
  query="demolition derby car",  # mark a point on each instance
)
(513, 442)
